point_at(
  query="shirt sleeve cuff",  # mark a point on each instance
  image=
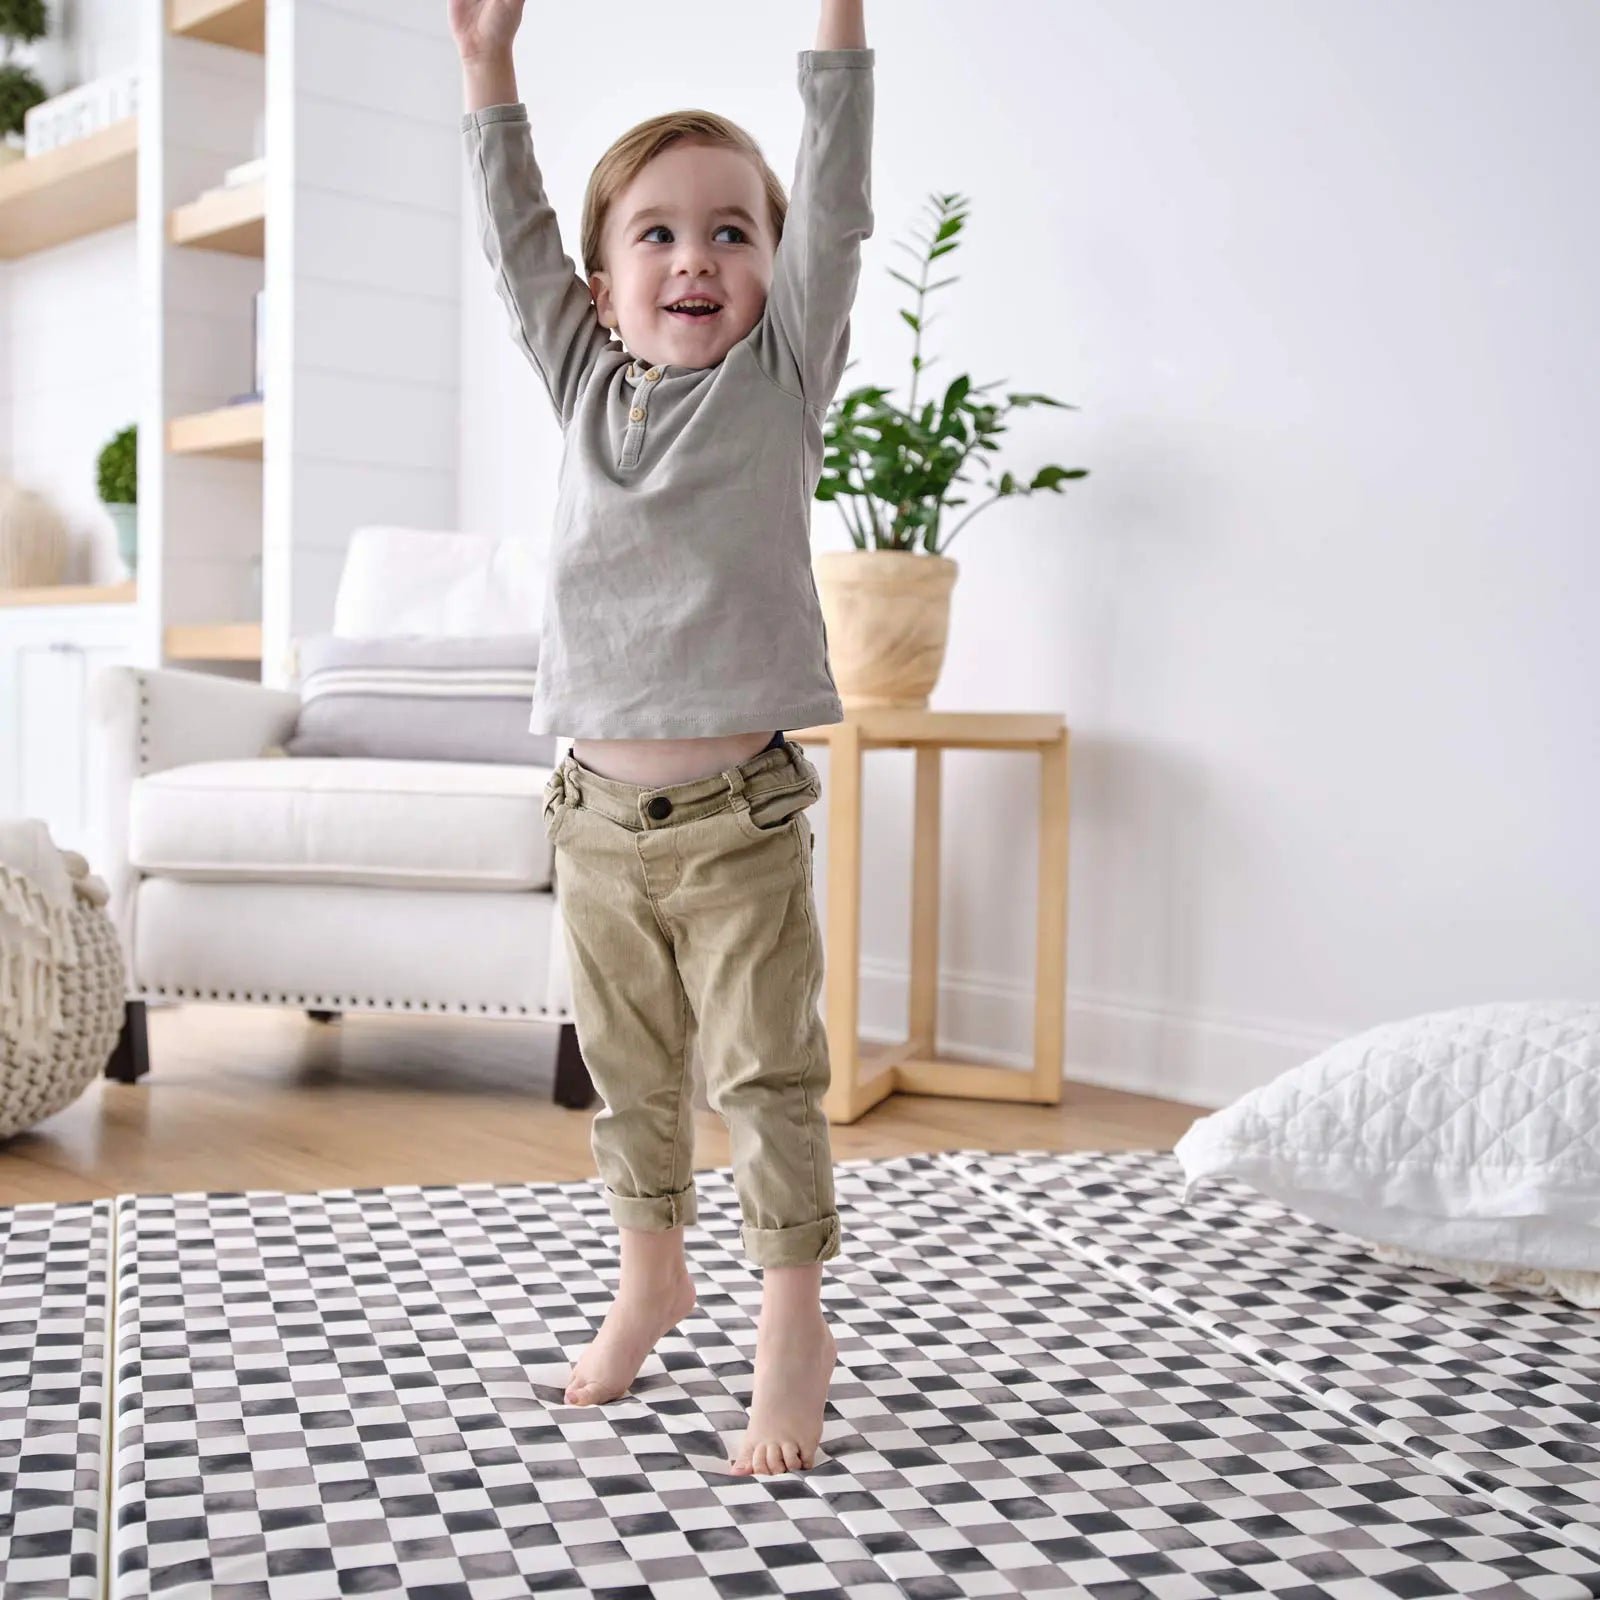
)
(507, 113)
(821, 60)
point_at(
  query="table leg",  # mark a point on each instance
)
(926, 840)
(842, 987)
(1050, 997)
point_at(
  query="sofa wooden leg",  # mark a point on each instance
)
(324, 1016)
(130, 1059)
(574, 1087)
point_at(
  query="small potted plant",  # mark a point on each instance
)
(21, 22)
(895, 473)
(119, 492)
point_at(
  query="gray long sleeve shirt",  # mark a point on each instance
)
(680, 601)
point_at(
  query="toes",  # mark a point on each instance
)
(768, 1457)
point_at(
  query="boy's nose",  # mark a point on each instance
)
(694, 261)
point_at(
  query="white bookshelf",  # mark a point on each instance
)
(127, 285)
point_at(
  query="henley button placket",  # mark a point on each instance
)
(638, 414)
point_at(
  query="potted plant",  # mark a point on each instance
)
(118, 470)
(895, 473)
(21, 22)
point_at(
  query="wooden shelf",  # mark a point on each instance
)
(110, 594)
(81, 188)
(234, 220)
(234, 432)
(240, 23)
(221, 641)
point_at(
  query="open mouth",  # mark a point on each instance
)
(694, 307)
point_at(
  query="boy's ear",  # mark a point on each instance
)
(600, 292)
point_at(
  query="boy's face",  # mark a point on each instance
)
(692, 226)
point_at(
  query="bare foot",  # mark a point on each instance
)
(637, 1319)
(794, 1363)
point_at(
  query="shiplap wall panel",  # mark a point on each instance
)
(69, 344)
(72, 358)
(105, 33)
(387, 156)
(400, 17)
(366, 244)
(410, 84)
(213, 110)
(357, 330)
(375, 422)
(363, 289)
(341, 495)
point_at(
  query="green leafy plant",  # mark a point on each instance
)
(895, 472)
(21, 22)
(20, 92)
(119, 469)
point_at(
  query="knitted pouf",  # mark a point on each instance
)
(39, 1084)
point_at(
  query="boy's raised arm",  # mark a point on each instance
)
(804, 337)
(552, 312)
(842, 25)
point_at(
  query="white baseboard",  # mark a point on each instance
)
(1119, 1044)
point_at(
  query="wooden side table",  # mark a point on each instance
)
(863, 1075)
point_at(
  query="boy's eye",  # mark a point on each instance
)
(649, 236)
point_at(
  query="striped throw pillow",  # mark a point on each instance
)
(416, 698)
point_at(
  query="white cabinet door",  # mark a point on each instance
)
(48, 659)
(50, 709)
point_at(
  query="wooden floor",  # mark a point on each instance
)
(257, 1098)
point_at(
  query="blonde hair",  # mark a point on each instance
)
(639, 146)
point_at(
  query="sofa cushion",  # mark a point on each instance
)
(417, 824)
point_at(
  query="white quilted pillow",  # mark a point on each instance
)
(1460, 1137)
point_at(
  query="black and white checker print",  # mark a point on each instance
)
(55, 1275)
(357, 1393)
(1498, 1389)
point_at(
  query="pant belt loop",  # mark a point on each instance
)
(734, 779)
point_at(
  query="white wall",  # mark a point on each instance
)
(1323, 618)
(364, 278)
(68, 322)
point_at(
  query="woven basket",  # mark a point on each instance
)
(37, 1085)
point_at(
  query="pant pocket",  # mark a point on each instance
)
(774, 812)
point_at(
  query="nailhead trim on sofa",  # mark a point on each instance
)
(338, 1002)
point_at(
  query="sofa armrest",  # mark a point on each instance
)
(149, 719)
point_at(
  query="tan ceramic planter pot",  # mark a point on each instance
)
(888, 617)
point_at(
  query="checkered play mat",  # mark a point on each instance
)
(1055, 1378)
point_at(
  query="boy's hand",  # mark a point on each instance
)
(484, 27)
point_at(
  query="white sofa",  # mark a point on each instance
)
(333, 886)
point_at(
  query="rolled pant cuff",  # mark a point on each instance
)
(654, 1213)
(799, 1246)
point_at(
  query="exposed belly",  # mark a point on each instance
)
(658, 763)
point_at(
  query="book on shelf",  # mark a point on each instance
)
(246, 172)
